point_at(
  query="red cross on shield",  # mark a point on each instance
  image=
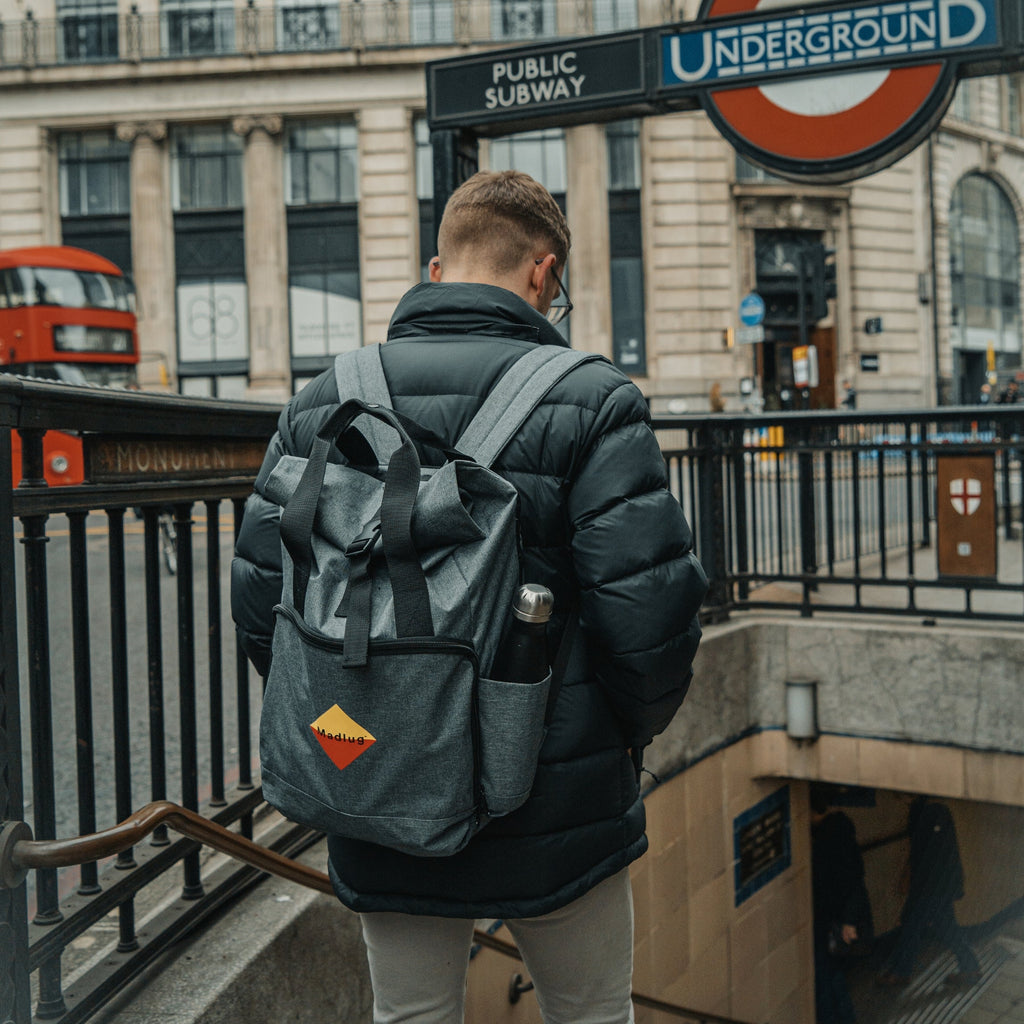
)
(965, 494)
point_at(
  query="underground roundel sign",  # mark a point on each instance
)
(888, 72)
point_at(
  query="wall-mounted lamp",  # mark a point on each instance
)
(802, 709)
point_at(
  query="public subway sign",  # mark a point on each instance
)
(828, 90)
(573, 78)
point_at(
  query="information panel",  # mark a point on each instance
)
(761, 844)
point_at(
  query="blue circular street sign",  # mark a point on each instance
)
(752, 310)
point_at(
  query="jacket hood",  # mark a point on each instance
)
(461, 308)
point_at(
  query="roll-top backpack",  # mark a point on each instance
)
(381, 720)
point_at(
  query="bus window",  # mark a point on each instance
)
(12, 291)
(55, 286)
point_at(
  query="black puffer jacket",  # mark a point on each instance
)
(597, 520)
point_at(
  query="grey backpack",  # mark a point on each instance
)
(380, 719)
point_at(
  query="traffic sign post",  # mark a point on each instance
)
(752, 310)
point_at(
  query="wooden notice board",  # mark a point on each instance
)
(966, 515)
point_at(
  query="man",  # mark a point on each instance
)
(600, 529)
(1010, 395)
(842, 909)
(935, 881)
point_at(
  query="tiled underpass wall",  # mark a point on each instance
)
(901, 708)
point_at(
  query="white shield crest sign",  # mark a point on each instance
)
(965, 494)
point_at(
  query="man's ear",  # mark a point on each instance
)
(539, 275)
(435, 270)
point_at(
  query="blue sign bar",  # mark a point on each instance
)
(837, 39)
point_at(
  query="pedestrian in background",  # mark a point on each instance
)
(842, 909)
(935, 880)
(1010, 395)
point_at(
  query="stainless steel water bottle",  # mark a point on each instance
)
(523, 654)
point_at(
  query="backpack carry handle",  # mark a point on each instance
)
(401, 486)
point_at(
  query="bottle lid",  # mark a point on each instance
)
(533, 603)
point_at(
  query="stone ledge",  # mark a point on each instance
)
(282, 952)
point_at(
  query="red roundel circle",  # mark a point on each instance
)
(879, 111)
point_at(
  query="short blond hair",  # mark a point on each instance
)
(502, 217)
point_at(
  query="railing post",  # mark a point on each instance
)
(808, 527)
(193, 886)
(14, 970)
(51, 1001)
(926, 486)
(738, 455)
(1011, 431)
(711, 522)
(215, 653)
(82, 661)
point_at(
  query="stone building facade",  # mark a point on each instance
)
(263, 173)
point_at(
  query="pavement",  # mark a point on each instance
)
(920, 591)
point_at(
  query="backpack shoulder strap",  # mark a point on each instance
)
(515, 396)
(358, 373)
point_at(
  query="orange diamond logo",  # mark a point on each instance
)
(342, 739)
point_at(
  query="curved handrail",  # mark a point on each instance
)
(20, 853)
(27, 853)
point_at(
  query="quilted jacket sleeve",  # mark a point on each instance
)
(641, 585)
(256, 567)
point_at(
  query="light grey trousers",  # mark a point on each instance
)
(579, 958)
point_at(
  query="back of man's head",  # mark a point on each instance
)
(499, 219)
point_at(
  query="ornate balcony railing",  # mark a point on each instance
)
(186, 28)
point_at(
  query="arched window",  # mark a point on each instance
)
(985, 272)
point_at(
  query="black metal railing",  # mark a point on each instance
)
(191, 29)
(137, 693)
(839, 510)
(135, 688)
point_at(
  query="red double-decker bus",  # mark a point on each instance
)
(65, 315)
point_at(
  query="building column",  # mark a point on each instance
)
(266, 257)
(152, 230)
(587, 201)
(388, 215)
